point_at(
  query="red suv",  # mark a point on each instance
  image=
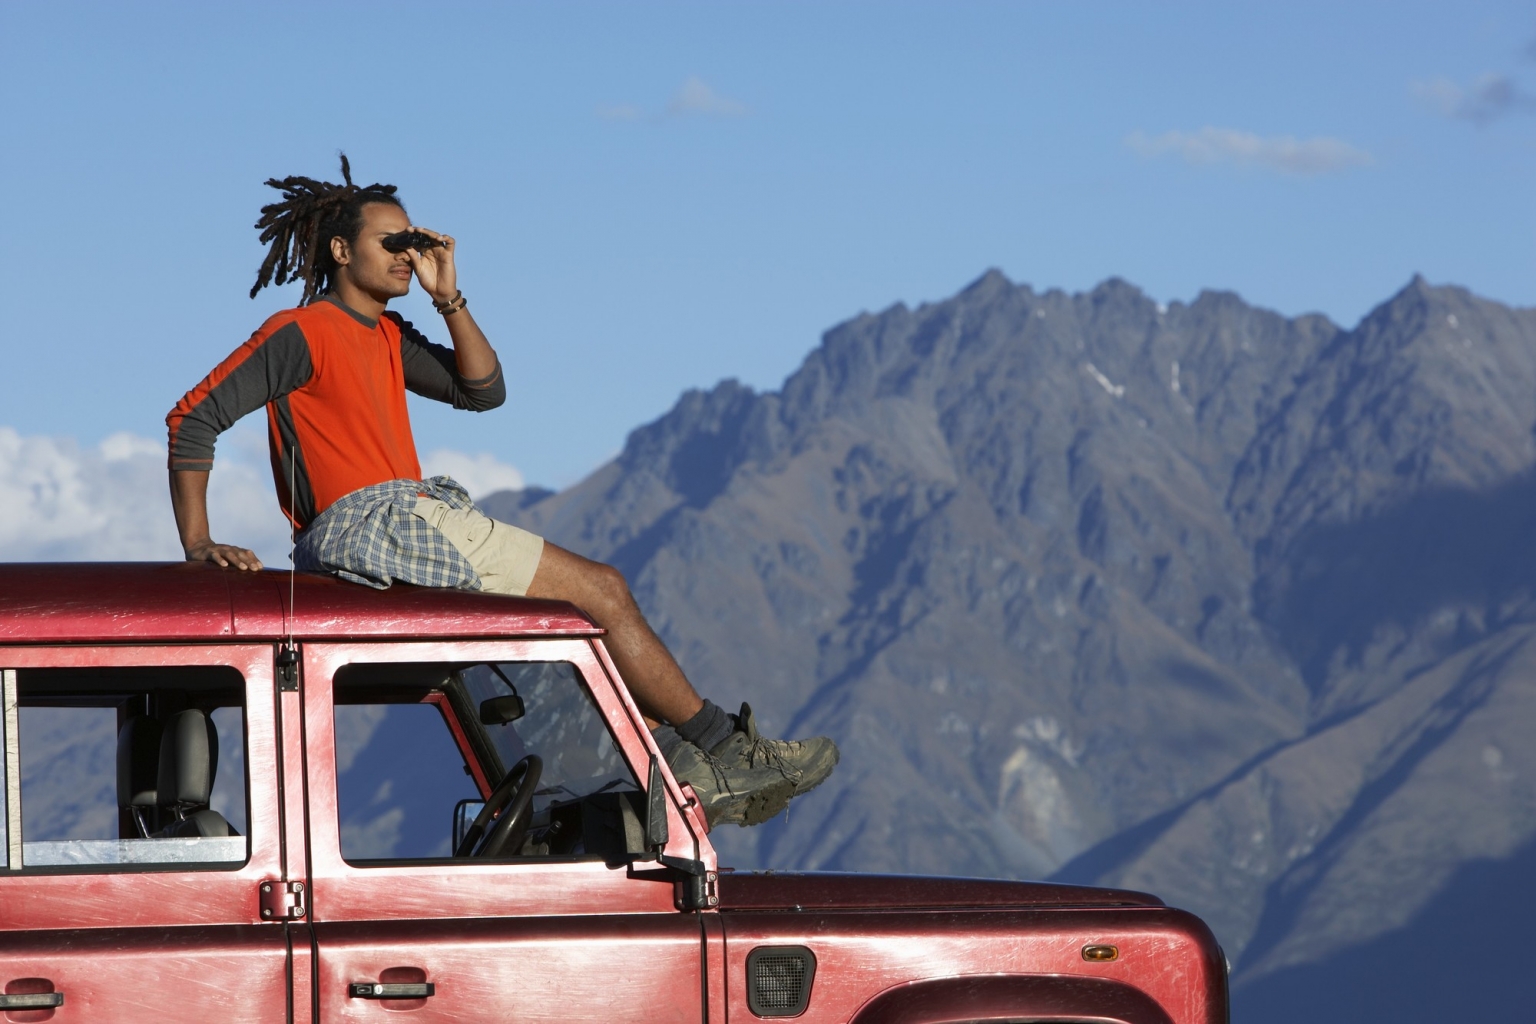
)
(257, 797)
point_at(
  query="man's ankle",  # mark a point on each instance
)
(667, 740)
(709, 728)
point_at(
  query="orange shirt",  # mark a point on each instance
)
(334, 383)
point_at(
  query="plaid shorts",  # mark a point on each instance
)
(373, 536)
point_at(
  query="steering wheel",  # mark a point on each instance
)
(513, 798)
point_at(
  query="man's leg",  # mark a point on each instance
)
(746, 794)
(740, 775)
(652, 674)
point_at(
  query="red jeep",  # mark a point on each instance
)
(256, 797)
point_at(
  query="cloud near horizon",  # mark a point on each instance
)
(1487, 99)
(694, 98)
(1284, 153)
(479, 474)
(110, 502)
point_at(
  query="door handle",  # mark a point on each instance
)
(388, 990)
(31, 1000)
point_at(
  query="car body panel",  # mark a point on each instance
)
(166, 944)
(862, 955)
(769, 890)
(532, 941)
(116, 602)
(529, 939)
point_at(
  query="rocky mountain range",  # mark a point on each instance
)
(1198, 599)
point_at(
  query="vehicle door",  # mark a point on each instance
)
(571, 922)
(122, 897)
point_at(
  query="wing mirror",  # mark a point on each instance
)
(501, 710)
(464, 813)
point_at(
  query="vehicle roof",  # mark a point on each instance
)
(63, 602)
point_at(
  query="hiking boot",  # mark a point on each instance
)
(805, 764)
(727, 795)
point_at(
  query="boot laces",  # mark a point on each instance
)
(767, 751)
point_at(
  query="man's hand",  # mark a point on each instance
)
(434, 268)
(225, 555)
(189, 500)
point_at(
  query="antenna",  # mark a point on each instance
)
(293, 533)
(288, 658)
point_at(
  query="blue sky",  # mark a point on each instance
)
(651, 197)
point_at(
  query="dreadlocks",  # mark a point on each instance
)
(298, 228)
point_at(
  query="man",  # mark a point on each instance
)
(333, 374)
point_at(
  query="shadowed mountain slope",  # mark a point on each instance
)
(1199, 599)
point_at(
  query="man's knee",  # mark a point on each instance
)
(607, 589)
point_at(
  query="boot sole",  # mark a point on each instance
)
(758, 806)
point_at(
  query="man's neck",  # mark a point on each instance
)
(356, 299)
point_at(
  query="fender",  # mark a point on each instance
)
(1010, 997)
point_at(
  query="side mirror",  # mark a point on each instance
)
(501, 710)
(464, 814)
(656, 832)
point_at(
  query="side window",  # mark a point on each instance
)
(125, 767)
(411, 741)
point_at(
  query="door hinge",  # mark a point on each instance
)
(288, 669)
(282, 901)
(698, 887)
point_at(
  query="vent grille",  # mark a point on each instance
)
(779, 980)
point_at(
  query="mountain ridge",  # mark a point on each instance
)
(1090, 587)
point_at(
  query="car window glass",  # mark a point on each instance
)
(125, 767)
(401, 772)
(560, 724)
(399, 775)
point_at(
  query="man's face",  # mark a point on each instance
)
(366, 264)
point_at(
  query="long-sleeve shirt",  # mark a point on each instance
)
(333, 382)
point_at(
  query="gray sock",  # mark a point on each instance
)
(709, 728)
(667, 740)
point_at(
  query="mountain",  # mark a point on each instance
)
(1200, 599)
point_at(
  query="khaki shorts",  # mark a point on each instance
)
(505, 557)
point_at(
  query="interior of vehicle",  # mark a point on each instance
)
(122, 766)
(454, 761)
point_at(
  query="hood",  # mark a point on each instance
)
(773, 890)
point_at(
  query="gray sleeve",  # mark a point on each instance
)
(432, 372)
(262, 370)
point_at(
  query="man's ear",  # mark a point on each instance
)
(341, 252)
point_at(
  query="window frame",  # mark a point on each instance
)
(470, 888)
(92, 896)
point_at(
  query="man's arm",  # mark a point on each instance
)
(439, 278)
(189, 500)
(472, 351)
(432, 371)
(274, 362)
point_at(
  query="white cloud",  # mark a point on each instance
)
(1285, 153)
(66, 503)
(1490, 97)
(480, 474)
(621, 112)
(111, 503)
(695, 97)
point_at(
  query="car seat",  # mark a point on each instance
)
(189, 757)
(138, 772)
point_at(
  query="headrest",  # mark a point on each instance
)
(138, 762)
(189, 756)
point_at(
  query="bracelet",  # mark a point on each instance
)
(441, 306)
(454, 306)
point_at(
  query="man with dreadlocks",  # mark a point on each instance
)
(332, 374)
